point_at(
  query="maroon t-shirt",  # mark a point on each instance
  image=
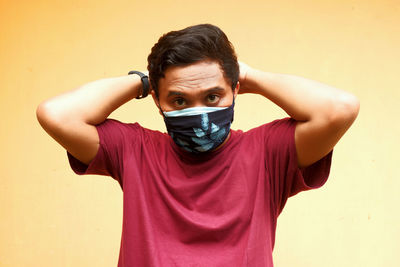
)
(216, 209)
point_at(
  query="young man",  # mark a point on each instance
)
(203, 194)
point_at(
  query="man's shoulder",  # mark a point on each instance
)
(128, 129)
(271, 126)
(114, 123)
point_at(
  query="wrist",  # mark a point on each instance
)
(134, 84)
(145, 88)
(249, 82)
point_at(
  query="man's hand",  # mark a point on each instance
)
(244, 69)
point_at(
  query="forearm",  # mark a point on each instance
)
(302, 99)
(92, 102)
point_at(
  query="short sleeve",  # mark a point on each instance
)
(287, 179)
(114, 137)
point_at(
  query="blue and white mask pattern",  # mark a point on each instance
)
(199, 129)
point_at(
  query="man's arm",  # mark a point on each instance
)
(70, 118)
(323, 113)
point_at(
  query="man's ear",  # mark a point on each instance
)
(236, 90)
(156, 101)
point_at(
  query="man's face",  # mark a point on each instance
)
(201, 84)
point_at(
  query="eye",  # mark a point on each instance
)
(179, 102)
(212, 99)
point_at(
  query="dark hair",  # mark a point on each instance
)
(190, 45)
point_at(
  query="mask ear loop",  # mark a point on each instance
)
(232, 106)
(159, 108)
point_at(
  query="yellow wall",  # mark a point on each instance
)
(51, 217)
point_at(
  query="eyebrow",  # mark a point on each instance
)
(207, 91)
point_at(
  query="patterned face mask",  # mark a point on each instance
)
(199, 129)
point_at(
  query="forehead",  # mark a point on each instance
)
(198, 76)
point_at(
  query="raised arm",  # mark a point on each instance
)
(70, 118)
(323, 113)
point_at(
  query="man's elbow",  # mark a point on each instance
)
(42, 112)
(346, 110)
(47, 115)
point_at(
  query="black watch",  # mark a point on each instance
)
(145, 83)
